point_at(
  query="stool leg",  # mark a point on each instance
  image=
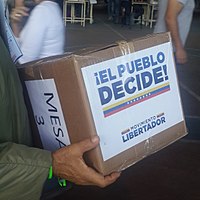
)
(91, 13)
(83, 13)
(64, 12)
(72, 13)
(151, 21)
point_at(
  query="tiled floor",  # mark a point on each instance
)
(174, 172)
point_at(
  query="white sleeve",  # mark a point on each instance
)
(32, 36)
(182, 1)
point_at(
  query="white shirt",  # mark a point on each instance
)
(184, 18)
(43, 35)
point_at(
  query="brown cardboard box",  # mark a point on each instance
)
(126, 93)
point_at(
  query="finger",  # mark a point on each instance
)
(22, 11)
(19, 12)
(110, 179)
(22, 8)
(88, 144)
(103, 181)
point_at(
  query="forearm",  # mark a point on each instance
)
(173, 10)
(15, 28)
(172, 27)
(171, 18)
(23, 170)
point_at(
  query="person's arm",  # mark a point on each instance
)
(31, 37)
(173, 10)
(23, 171)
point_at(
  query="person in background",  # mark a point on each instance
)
(110, 9)
(126, 12)
(175, 16)
(116, 11)
(23, 168)
(43, 34)
(138, 11)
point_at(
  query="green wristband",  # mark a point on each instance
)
(50, 172)
(62, 182)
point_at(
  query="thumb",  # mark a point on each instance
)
(88, 144)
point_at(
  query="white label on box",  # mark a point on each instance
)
(48, 113)
(133, 97)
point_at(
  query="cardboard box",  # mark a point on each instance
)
(127, 93)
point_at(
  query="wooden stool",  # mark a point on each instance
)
(69, 11)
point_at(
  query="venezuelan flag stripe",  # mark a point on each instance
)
(131, 101)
